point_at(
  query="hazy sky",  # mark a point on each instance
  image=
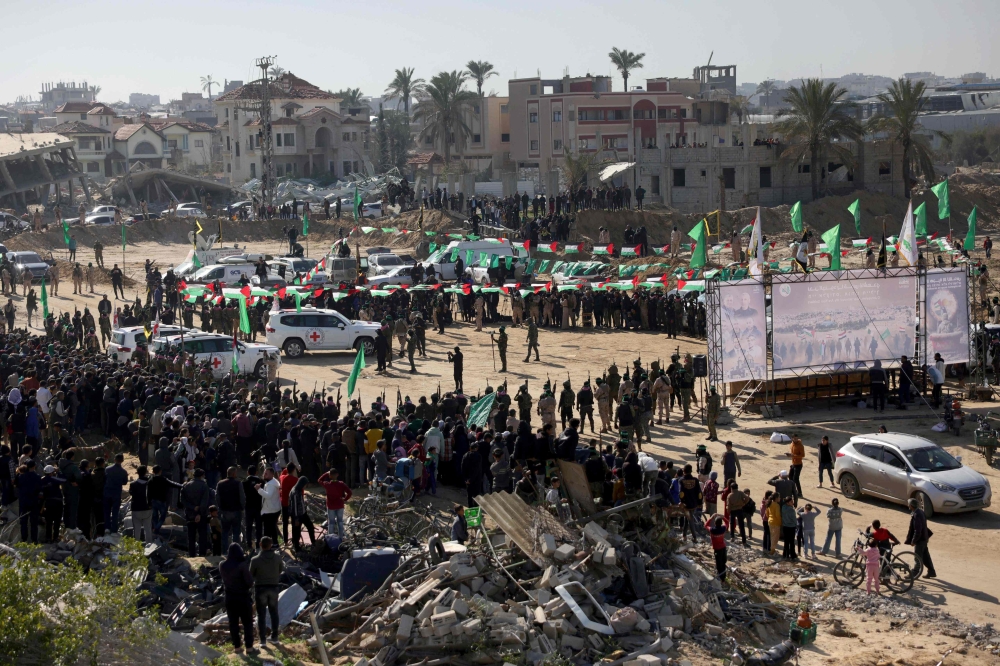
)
(165, 47)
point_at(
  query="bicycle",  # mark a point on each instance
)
(895, 572)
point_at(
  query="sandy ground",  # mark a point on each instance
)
(964, 547)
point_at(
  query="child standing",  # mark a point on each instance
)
(459, 528)
(872, 555)
(215, 527)
(807, 518)
(717, 526)
(430, 470)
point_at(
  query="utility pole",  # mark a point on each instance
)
(265, 138)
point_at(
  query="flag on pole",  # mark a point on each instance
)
(359, 365)
(236, 357)
(194, 260)
(547, 247)
(604, 249)
(357, 205)
(244, 316)
(699, 255)
(755, 249)
(832, 239)
(944, 205)
(855, 210)
(65, 226)
(305, 224)
(479, 413)
(796, 213)
(123, 236)
(970, 238)
(920, 214)
(906, 246)
(573, 248)
(45, 304)
(630, 251)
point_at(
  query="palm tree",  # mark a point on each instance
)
(206, 84)
(404, 86)
(479, 71)
(97, 91)
(814, 123)
(443, 110)
(903, 102)
(351, 98)
(740, 106)
(276, 71)
(625, 61)
(765, 90)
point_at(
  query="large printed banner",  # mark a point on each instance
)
(744, 331)
(835, 325)
(947, 316)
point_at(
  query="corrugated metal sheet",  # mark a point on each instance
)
(524, 524)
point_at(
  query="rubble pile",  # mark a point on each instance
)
(586, 596)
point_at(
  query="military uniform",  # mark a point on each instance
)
(532, 340)
(661, 394)
(105, 323)
(480, 304)
(99, 253)
(547, 409)
(712, 408)
(523, 400)
(585, 403)
(501, 341)
(613, 380)
(566, 401)
(603, 397)
(411, 347)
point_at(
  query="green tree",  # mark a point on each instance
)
(740, 105)
(903, 102)
(404, 86)
(975, 147)
(814, 126)
(276, 71)
(62, 614)
(206, 84)
(625, 61)
(397, 128)
(442, 113)
(765, 90)
(577, 167)
(479, 71)
(382, 143)
(351, 100)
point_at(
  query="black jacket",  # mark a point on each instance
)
(139, 491)
(566, 445)
(158, 488)
(254, 501)
(235, 571)
(230, 496)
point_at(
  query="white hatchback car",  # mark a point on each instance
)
(190, 210)
(218, 351)
(315, 329)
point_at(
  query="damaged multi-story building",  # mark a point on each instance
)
(690, 150)
(310, 134)
(36, 165)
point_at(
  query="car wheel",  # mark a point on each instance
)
(260, 370)
(294, 348)
(849, 486)
(367, 343)
(925, 504)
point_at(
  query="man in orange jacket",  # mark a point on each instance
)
(797, 451)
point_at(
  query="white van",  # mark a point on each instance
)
(444, 266)
(208, 257)
(228, 275)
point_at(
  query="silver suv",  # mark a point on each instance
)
(897, 467)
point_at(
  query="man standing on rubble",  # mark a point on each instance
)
(472, 473)
(230, 497)
(266, 569)
(195, 499)
(270, 491)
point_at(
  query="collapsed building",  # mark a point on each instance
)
(34, 166)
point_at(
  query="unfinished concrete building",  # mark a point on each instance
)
(33, 165)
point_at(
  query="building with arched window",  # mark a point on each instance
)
(137, 142)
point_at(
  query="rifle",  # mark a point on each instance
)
(399, 400)
(295, 390)
(338, 399)
(493, 349)
(314, 390)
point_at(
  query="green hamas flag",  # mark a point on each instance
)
(468, 257)
(454, 254)
(479, 413)
(970, 238)
(944, 205)
(357, 203)
(509, 261)
(832, 239)
(921, 216)
(45, 304)
(359, 365)
(855, 210)
(123, 237)
(796, 213)
(305, 224)
(236, 358)
(431, 247)
(495, 261)
(194, 260)
(244, 317)
(700, 256)
(65, 226)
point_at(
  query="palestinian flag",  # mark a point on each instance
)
(809, 332)
(547, 247)
(573, 248)
(519, 245)
(630, 251)
(367, 230)
(390, 230)
(746, 230)
(660, 251)
(604, 249)
(690, 285)
(862, 243)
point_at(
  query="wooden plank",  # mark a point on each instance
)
(574, 480)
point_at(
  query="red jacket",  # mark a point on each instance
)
(287, 482)
(337, 492)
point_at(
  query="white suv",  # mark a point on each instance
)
(295, 332)
(218, 351)
(124, 340)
